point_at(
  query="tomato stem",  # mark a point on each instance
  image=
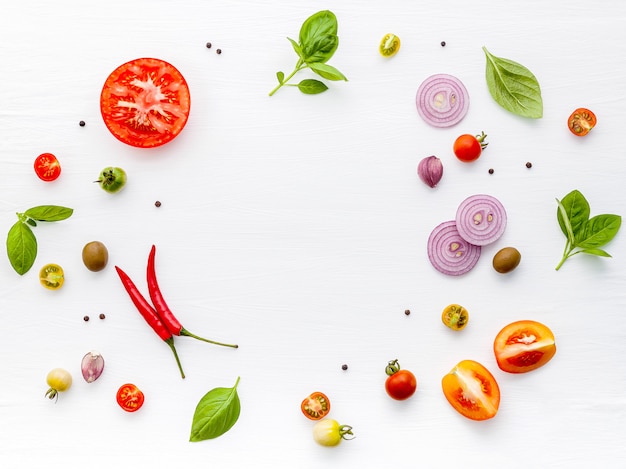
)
(344, 431)
(481, 139)
(392, 367)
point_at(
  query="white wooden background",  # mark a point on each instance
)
(296, 226)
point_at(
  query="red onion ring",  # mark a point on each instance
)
(442, 100)
(449, 253)
(481, 219)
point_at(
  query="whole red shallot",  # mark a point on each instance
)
(92, 366)
(430, 170)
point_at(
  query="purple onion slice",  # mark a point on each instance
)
(449, 253)
(481, 219)
(442, 100)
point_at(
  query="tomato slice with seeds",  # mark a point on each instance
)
(145, 102)
(523, 346)
(472, 390)
(455, 317)
(129, 397)
(47, 167)
(316, 406)
(581, 121)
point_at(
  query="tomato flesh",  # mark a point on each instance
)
(315, 406)
(523, 346)
(129, 397)
(581, 121)
(472, 390)
(145, 102)
(47, 167)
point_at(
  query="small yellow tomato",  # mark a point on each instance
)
(51, 276)
(59, 380)
(455, 317)
(389, 45)
(328, 432)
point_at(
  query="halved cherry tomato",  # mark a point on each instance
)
(581, 121)
(455, 317)
(468, 148)
(51, 276)
(389, 45)
(145, 102)
(47, 167)
(315, 406)
(524, 346)
(472, 390)
(129, 397)
(400, 384)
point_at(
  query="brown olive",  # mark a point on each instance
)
(95, 256)
(506, 259)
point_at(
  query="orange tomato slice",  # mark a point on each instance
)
(471, 390)
(523, 346)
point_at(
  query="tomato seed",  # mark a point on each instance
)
(218, 51)
(208, 45)
(529, 165)
(344, 367)
(82, 123)
(86, 318)
(490, 170)
(157, 204)
(102, 316)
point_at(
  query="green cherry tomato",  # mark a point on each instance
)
(328, 432)
(112, 179)
(59, 380)
(389, 45)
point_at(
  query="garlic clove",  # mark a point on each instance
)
(430, 170)
(92, 366)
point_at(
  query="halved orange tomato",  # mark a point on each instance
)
(472, 390)
(524, 346)
(581, 121)
(315, 406)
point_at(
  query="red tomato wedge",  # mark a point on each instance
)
(472, 390)
(524, 346)
(47, 167)
(145, 102)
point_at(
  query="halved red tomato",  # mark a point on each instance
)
(315, 406)
(472, 390)
(145, 102)
(524, 346)
(129, 397)
(47, 167)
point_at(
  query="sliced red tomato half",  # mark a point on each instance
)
(47, 167)
(472, 390)
(145, 102)
(524, 346)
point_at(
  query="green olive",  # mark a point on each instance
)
(95, 256)
(506, 260)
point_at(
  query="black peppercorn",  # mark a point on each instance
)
(490, 170)
(529, 165)
(344, 367)
(208, 45)
(102, 316)
(218, 51)
(82, 123)
(157, 204)
(86, 318)
(407, 311)
(443, 43)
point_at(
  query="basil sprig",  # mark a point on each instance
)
(318, 41)
(216, 413)
(584, 235)
(513, 86)
(21, 241)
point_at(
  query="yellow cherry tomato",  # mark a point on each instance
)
(389, 45)
(51, 276)
(455, 317)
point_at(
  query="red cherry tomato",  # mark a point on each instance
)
(145, 102)
(524, 346)
(47, 167)
(472, 390)
(468, 148)
(315, 406)
(129, 397)
(581, 121)
(400, 384)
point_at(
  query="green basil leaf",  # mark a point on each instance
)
(310, 86)
(598, 231)
(296, 47)
(280, 76)
(577, 211)
(216, 413)
(21, 247)
(318, 37)
(49, 213)
(595, 252)
(513, 86)
(327, 71)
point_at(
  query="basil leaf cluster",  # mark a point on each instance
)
(21, 242)
(216, 413)
(513, 86)
(316, 44)
(584, 235)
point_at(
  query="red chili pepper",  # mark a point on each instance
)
(164, 312)
(149, 314)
